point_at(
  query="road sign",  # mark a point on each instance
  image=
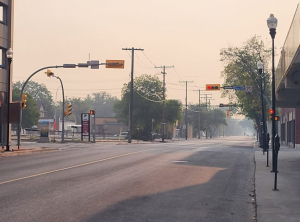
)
(85, 125)
(117, 64)
(227, 87)
(261, 123)
(238, 88)
(248, 88)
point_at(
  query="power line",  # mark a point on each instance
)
(148, 58)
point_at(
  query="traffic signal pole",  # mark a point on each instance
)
(20, 99)
(63, 110)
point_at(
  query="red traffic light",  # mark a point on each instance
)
(213, 87)
(271, 111)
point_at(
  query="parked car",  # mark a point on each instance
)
(123, 134)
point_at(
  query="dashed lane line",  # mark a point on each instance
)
(72, 167)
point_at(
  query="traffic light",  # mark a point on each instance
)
(49, 73)
(271, 111)
(23, 105)
(68, 111)
(227, 113)
(212, 87)
(92, 112)
(277, 118)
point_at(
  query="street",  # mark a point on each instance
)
(193, 180)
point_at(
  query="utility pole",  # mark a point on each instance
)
(186, 128)
(164, 89)
(205, 97)
(199, 136)
(209, 102)
(131, 92)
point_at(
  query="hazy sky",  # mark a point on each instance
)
(187, 34)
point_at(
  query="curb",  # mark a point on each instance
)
(16, 152)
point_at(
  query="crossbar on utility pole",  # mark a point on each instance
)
(131, 92)
(164, 89)
(205, 97)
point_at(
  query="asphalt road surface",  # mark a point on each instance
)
(194, 180)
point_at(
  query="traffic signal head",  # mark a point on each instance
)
(23, 105)
(49, 73)
(271, 111)
(210, 87)
(277, 118)
(227, 113)
(68, 111)
(92, 112)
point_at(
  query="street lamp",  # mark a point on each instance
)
(9, 54)
(272, 24)
(260, 67)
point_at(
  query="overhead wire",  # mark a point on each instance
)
(156, 101)
(148, 58)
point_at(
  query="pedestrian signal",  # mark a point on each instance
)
(92, 112)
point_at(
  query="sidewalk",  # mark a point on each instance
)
(284, 204)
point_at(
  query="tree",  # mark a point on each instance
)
(38, 92)
(210, 119)
(31, 114)
(173, 111)
(103, 104)
(78, 106)
(147, 97)
(240, 69)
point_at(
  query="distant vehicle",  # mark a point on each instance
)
(123, 134)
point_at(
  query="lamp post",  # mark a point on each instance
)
(260, 67)
(9, 54)
(272, 24)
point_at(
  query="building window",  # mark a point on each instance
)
(2, 57)
(1, 14)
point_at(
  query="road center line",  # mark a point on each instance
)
(72, 167)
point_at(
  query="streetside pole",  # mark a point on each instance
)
(164, 98)
(20, 99)
(186, 128)
(131, 92)
(63, 113)
(199, 136)
(273, 32)
(8, 104)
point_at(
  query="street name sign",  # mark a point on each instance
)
(227, 87)
(117, 64)
(238, 88)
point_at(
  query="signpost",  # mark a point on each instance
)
(85, 125)
(238, 88)
(227, 87)
(117, 64)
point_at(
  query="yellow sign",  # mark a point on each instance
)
(117, 64)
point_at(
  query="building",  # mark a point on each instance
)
(6, 42)
(287, 79)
